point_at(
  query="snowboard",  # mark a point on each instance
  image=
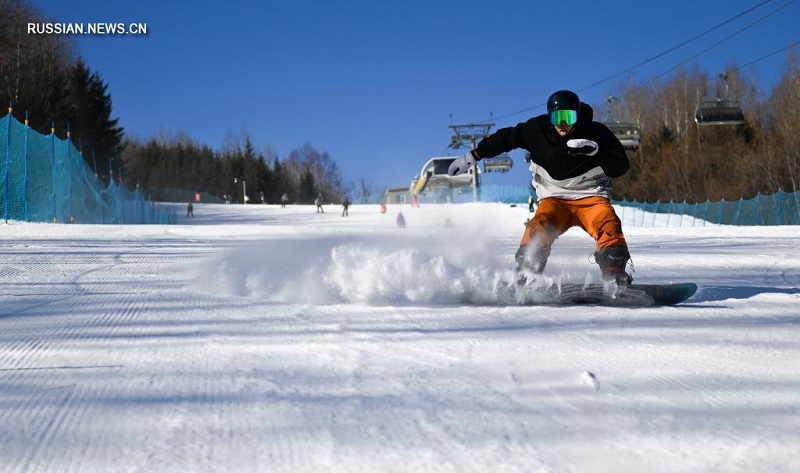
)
(598, 293)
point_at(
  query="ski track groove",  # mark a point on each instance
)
(43, 432)
(692, 397)
(47, 410)
(292, 452)
(435, 427)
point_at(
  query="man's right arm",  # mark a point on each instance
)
(501, 141)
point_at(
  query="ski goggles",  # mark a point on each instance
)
(570, 117)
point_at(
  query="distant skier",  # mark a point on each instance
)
(284, 200)
(189, 210)
(401, 221)
(572, 161)
(318, 203)
(345, 206)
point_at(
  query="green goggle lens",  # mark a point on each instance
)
(570, 117)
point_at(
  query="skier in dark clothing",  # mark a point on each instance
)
(572, 161)
(345, 207)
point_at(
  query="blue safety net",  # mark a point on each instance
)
(780, 208)
(45, 179)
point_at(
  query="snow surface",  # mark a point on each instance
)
(262, 339)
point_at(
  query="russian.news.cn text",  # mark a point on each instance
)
(96, 28)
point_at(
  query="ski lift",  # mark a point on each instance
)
(500, 163)
(433, 175)
(629, 134)
(720, 111)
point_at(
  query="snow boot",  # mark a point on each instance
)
(612, 261)
(530, 262)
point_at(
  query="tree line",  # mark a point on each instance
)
(678, 160)
(681, 160)
(161, 165)
(43, 79)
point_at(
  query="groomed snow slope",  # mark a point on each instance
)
(256, 338)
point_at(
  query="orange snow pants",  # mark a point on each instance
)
(555, 216)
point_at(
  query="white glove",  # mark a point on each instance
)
(461, 165)
(581, 146)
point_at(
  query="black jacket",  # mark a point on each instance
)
(549, 150)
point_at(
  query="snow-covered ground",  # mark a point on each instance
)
(261, 339)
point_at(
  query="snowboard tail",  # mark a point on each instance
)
(602, 294)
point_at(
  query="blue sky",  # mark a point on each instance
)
(377, 84)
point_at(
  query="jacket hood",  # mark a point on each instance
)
(585, 114)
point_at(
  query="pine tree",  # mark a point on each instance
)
(307, 189)
(98, 136)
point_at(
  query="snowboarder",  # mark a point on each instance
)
(572, 161)
(345, 206)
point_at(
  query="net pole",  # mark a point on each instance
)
(53, 166)
(8, 162)
(26, 204)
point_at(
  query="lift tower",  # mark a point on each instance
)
(470, 134)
